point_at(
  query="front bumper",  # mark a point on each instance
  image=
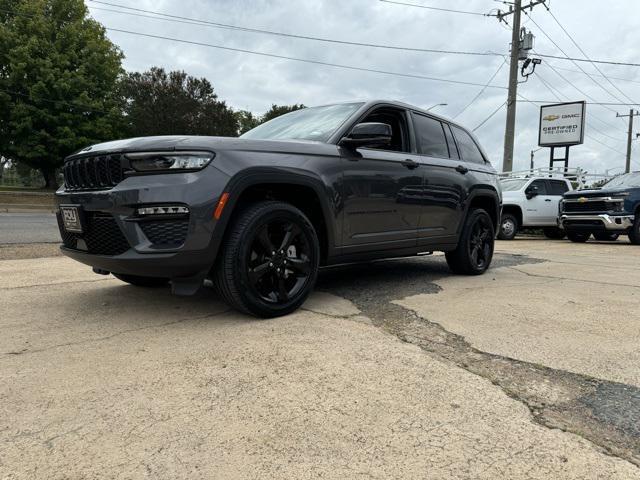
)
(593, 222)
(120, 241)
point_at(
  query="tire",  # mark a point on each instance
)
(606, 236)
(474, 252)
(554, 233)
(266, 283)
(634, 233)
(151, 282)
(508, 227)
(578, 237)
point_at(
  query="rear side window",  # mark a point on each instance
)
(468, 148)
(558, 187)
(430, 136)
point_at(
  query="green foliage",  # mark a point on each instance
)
(58, 78)
(277, 110)
(246, 121)
(174, 103)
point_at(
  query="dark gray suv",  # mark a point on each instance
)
(259, 214)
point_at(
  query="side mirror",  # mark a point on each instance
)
(531, 192)
(369, 134)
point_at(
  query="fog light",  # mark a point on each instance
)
(163, 210)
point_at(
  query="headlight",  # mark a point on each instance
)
(169, 161)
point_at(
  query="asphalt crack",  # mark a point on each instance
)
(602, 412)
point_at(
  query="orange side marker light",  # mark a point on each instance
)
(221, 203)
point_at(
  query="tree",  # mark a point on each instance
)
(58, 79)
(246, 121)
(174, 103)
(277, 110)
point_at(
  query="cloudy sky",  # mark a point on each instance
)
(604, 30)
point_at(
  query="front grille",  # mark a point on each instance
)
(594, 206)
(102, 236)
(93, 173)
(166, 233)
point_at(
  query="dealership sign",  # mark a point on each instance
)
(561, 124)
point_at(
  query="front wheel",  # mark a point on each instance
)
(508, 227)
(606, 236)
(269, 260)
(142, 281)
(578, 237)
(634, 233)
(474, 252)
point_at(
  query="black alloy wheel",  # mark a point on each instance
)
(474, 252)
(278, 261)
(268, 263)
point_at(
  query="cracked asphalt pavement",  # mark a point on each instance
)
(393, 369)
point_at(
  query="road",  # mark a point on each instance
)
(392, 369)
(26, 228)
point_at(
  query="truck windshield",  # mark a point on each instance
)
(315, 123)
(512, 184)
(628, 180)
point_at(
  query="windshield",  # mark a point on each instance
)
(513, 184)
(628, 180)
(315, 123)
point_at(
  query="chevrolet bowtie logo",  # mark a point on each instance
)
(551, 118)
(582, 199)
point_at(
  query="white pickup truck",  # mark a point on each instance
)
(531, 202)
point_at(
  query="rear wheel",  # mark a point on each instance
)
(606, 236)
(578, 237)
(634, 233)
(508, 227)
(554, 233)
(139, 281)
(475, 248)
(269, 261)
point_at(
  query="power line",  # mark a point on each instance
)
(604, 62)
(305, 60)
(596, 75)
(576, 64)
(450, 10)
(489, 117)
(481, 90)
(206, 23)
(587, 56)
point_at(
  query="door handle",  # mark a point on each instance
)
(410, 164)
(462, 169)
(547, 199)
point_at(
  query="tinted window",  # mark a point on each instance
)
(542, 186)
(430, 136)
(453, 150)
(558, 187)
(468, 148)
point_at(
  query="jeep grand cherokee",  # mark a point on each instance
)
(259, 214)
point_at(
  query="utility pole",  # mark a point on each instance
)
(632, 113)
(510, 128)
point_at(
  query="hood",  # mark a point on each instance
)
(596, 192)
(215, 144)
